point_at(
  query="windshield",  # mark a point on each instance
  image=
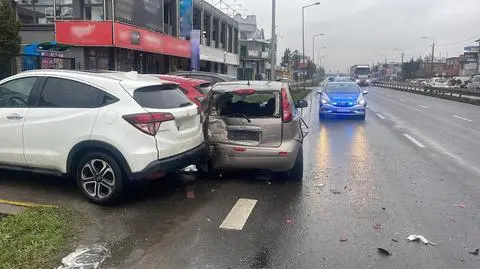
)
(342, 88)
(362, 71)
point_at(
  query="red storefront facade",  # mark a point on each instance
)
(123, 47)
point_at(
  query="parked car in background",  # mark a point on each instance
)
(194, 89)
(255, 125)
(461, 81)
(207, 76)
(105, 129)
(439, 83)
(474, 83)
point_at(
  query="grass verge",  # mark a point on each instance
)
(300, 94)
(35, 238)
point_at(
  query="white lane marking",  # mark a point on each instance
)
(422, 106)
(403, 100)
(414, 141)
(239, 214)
(462, 118)
(380, 116)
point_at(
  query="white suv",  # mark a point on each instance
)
(103, 129)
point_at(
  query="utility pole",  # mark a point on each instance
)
(433, 55)
(273, 42)
(478, 56)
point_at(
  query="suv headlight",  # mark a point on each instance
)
(361, 102)
(358, 81)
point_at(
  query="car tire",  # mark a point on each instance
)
(296, 174)
(100, 178)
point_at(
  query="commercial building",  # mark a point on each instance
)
(145, 36)
(254, 50)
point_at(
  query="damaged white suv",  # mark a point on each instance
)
(103, 129)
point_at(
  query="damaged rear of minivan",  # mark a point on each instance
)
(254, 126)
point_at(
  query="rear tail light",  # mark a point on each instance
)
(148, 123)
(286, 106)
(244, 91)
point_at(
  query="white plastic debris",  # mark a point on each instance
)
(416, 237)
(190, 169)
(85, 258)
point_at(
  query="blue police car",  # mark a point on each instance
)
(343, 99)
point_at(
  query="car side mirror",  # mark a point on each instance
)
(302, 104)
(365, 92)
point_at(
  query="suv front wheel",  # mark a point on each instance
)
(100, 178)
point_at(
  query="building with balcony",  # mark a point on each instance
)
(129, 35)
(254, 50)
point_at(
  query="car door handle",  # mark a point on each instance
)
(15, 117)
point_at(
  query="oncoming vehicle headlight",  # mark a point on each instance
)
(361, 102)
(368, 80)
(358, 81)
(325, 101)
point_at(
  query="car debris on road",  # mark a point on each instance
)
(384, 252)
(85, 257)
(475, 252)
(415, 237)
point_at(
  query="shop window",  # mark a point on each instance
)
(42, 11)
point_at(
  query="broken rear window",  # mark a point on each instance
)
(257, 105)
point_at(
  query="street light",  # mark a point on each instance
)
(433, 51)
(303, 37)
(313, 51)
(318, 52)
(403, 53)
(478, 55)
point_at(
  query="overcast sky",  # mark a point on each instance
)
(367, 31)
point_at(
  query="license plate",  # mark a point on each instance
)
(185, 123)
(343, 110)
(243, 136)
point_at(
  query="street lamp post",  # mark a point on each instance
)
(318, 52)
(478, 56)
(303, 38)
(313, 51)
(433, 53)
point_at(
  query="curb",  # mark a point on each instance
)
(24, 204)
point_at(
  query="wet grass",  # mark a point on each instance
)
(36, 238)
(300, 94)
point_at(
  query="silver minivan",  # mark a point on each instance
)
(255, 125)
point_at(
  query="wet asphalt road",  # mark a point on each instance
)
(410, 168)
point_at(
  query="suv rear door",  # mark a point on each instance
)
(176, 134)
(245, 117)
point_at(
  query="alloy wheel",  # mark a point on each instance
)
(98, 178)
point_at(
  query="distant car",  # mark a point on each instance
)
(255, 125)
(207, 76)
(474, 84)
(194, 89)
(343, 99)
(439, 83)
(104, 130)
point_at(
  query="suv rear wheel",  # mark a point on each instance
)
(100, 178)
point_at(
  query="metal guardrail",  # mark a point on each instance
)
(455, 94)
